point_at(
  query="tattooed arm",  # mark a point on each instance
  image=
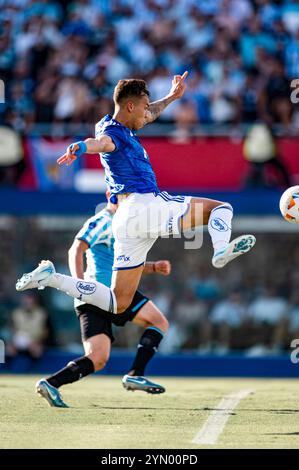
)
(177, 90)
(156, 108)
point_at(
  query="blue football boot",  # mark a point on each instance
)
(50, 393)
(141, 383)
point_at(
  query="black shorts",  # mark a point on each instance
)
(95, 321)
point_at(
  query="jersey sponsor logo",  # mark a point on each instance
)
(219, 224)
(123, 258)
(86, 288)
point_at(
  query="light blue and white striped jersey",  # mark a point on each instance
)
(97, 233)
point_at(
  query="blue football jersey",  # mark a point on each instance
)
(97, 233)
(128, 168)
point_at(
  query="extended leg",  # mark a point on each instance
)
(218, 216)
(113, 300)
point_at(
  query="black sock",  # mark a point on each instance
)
(75, 370)
(147, 347)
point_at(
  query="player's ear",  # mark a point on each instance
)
(130, 106)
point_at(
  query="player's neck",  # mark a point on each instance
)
(111, 208)
(123, 118)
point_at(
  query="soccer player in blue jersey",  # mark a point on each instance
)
(95, 239)
(144, 212)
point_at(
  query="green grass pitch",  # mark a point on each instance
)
(105, 416)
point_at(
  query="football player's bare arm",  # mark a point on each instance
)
(156, 108)
(103, 143)
(76, 258)
(177, 90)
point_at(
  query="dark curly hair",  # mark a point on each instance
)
(127, 88)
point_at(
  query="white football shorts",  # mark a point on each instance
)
(139, 220)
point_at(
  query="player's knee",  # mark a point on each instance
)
(223, 204)
(162, 324)
(214, 205)
(99, 359)
(123, 302)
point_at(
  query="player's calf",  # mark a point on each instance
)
(99, 360)
(74, 371)
(147, 347)
(162, 324)
(219, 226)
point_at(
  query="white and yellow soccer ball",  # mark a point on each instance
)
(289, 205)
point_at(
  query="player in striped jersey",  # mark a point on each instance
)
(95, 239)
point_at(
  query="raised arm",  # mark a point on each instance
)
(177, 90)
(103, 143)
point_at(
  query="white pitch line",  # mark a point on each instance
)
(215, 423)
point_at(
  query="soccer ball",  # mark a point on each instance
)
(289, 205)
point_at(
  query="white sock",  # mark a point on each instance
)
(93, 293)
(219, 226)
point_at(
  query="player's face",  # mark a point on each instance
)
(140, 112)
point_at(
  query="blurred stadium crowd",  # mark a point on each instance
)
(61, 60)
(245, 308)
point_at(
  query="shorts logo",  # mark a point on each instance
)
(170, 225)
(123, 258)
(86, 288)
(219, 224)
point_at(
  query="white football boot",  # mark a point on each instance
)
(37, 278)
(235, 248)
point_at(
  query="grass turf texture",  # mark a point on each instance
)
(105, 416)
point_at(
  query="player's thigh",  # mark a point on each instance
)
(150, 315)
(97, 348)
(199, 212)
(124, 284)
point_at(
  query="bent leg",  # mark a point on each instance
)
(199, 212)
(218, 216)
(97, 336)
(150, 315)
(156, 325)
